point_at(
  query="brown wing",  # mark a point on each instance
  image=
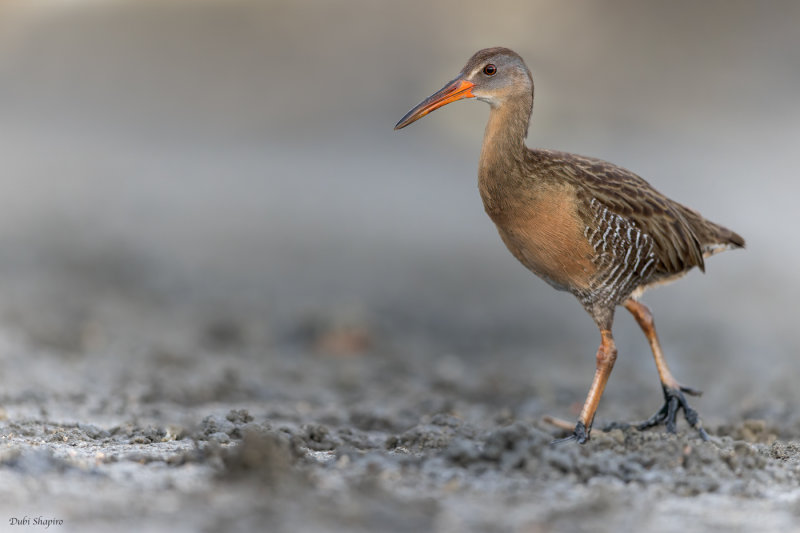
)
(676, 244)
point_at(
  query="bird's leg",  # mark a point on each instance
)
(606, 355)
(674, 398)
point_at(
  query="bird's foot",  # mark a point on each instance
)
(675, 400)
(580, 435)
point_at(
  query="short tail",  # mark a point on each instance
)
(723, 239)
(713, 238)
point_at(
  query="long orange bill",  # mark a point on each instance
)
(455, 90)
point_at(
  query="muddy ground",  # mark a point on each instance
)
(233, 299)
(146, 417)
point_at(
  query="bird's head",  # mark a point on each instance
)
(493, 75)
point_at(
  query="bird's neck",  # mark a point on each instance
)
(504, 144)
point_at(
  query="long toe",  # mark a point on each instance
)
(654, 420)
(672, 412)
(691, 416)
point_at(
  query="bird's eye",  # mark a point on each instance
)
(490, 70)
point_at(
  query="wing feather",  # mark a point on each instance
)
(676, 243)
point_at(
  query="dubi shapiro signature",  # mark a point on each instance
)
(35, 521)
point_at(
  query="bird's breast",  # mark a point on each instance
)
(544, 232)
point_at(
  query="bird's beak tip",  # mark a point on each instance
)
(455, 90)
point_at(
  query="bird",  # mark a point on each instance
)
(584, 225)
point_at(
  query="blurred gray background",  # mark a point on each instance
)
(233, 162)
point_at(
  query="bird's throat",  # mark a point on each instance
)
(504, 137)
(503, 153)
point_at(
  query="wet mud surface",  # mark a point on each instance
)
(334, 426)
